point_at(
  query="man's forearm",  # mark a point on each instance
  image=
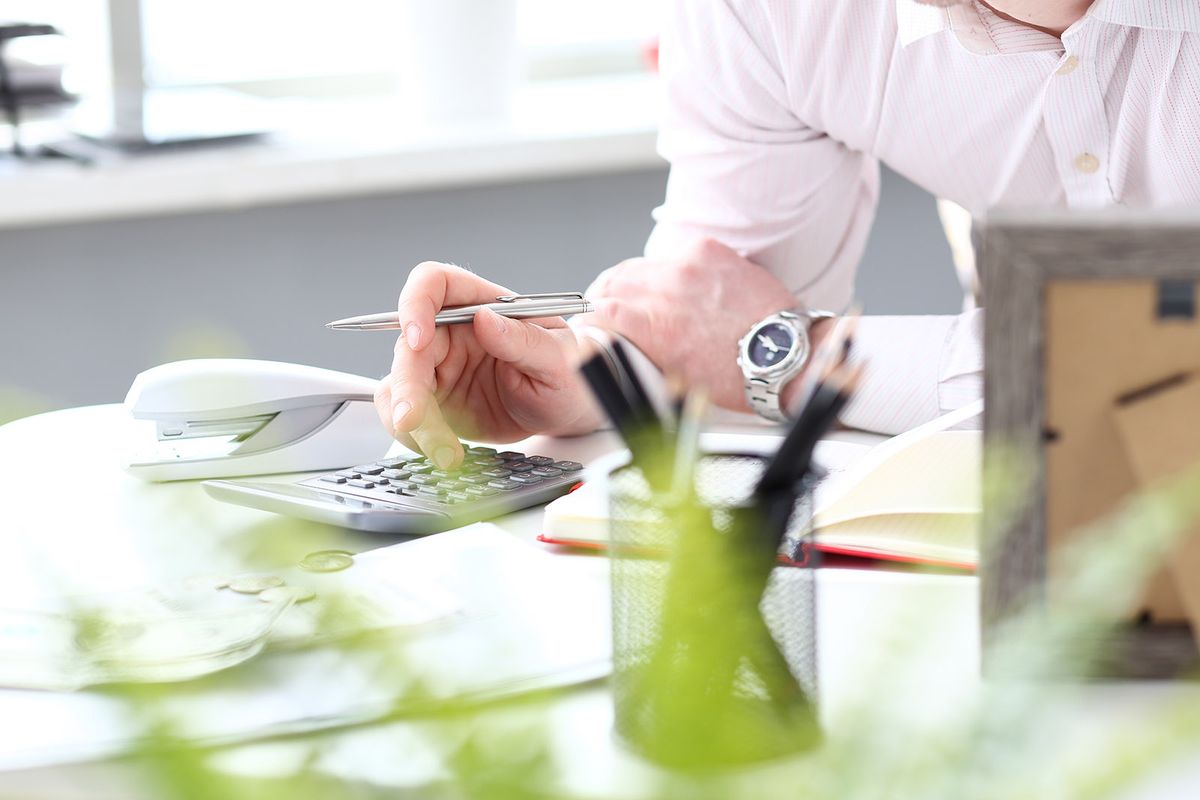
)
(917, 368)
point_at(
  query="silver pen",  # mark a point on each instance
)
(513, 306)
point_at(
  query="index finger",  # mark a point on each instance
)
(430, 288)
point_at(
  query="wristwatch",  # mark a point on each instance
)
(772, 353)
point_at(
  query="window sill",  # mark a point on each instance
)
(348, 148)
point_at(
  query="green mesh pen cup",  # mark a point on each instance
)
(714, 648)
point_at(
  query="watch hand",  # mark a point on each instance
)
(768, 342)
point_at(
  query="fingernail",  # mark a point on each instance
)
(400, 412)
(412, 335)
(443, 457)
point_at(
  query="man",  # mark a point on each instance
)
(777, 114)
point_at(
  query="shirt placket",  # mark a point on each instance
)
(1076, 123)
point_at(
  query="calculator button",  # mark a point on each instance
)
(547, 472)
(487, 461)
(333, 478)
(519, 466)
(420, 467)
(446, 474)
(479, 480)
(482, 451)
(450, 485)
(509, 455)
(348, 473)
(380, 480)
(391, 463)
(568, 466)
(504, 484)
(361, 484)
(481, 491)
(498, 472)
(430, 491)
(422, 480)
(539, 461)
(396, 474)
(527, 479)
(458, 497)
(369, 469)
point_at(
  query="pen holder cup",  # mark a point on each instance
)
(714, 637)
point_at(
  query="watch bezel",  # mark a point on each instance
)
(798, 352)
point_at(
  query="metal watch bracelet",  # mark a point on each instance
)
(763, 391)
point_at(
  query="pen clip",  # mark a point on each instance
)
(513, 298)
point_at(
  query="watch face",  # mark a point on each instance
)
(770, 345)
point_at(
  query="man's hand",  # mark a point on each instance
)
(497, 379)
(687, 314)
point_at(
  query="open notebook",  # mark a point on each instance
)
(915, 497)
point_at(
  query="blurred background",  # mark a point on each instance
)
(222, 178)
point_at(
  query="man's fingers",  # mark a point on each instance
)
(423, 295)
(529, 347)
(625, 318)
(383, 402)
(420, 427)
(435, 439)
(410, 387)
(383, 407)
(431, 287)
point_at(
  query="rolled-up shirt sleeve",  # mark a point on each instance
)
(916, 368)
(750, 172)
(745, 169)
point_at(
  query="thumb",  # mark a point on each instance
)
(528, 347)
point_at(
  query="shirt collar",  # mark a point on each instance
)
(915, 21)
(1170, 15)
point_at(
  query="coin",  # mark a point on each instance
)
(327, 561)
(253, 584)
(282, 594)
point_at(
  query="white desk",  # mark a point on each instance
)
(69, 512)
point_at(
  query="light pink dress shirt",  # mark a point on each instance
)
(778, 113)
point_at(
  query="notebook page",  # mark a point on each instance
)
(935, 537)
(928, 470)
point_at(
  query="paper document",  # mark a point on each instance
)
(493, 616)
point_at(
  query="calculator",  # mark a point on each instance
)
(409, 494)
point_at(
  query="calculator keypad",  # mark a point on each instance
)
(484, 475)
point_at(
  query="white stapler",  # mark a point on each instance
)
(221, 418)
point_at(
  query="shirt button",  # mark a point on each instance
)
(1087, 163)
(1068, 66)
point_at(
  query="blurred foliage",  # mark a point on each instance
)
(686, 697)
(18, 403)
(994, 742)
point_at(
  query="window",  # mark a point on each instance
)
(254, 41)
(234, 41)
(585, 36)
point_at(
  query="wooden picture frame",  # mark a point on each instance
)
(1032, 263)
